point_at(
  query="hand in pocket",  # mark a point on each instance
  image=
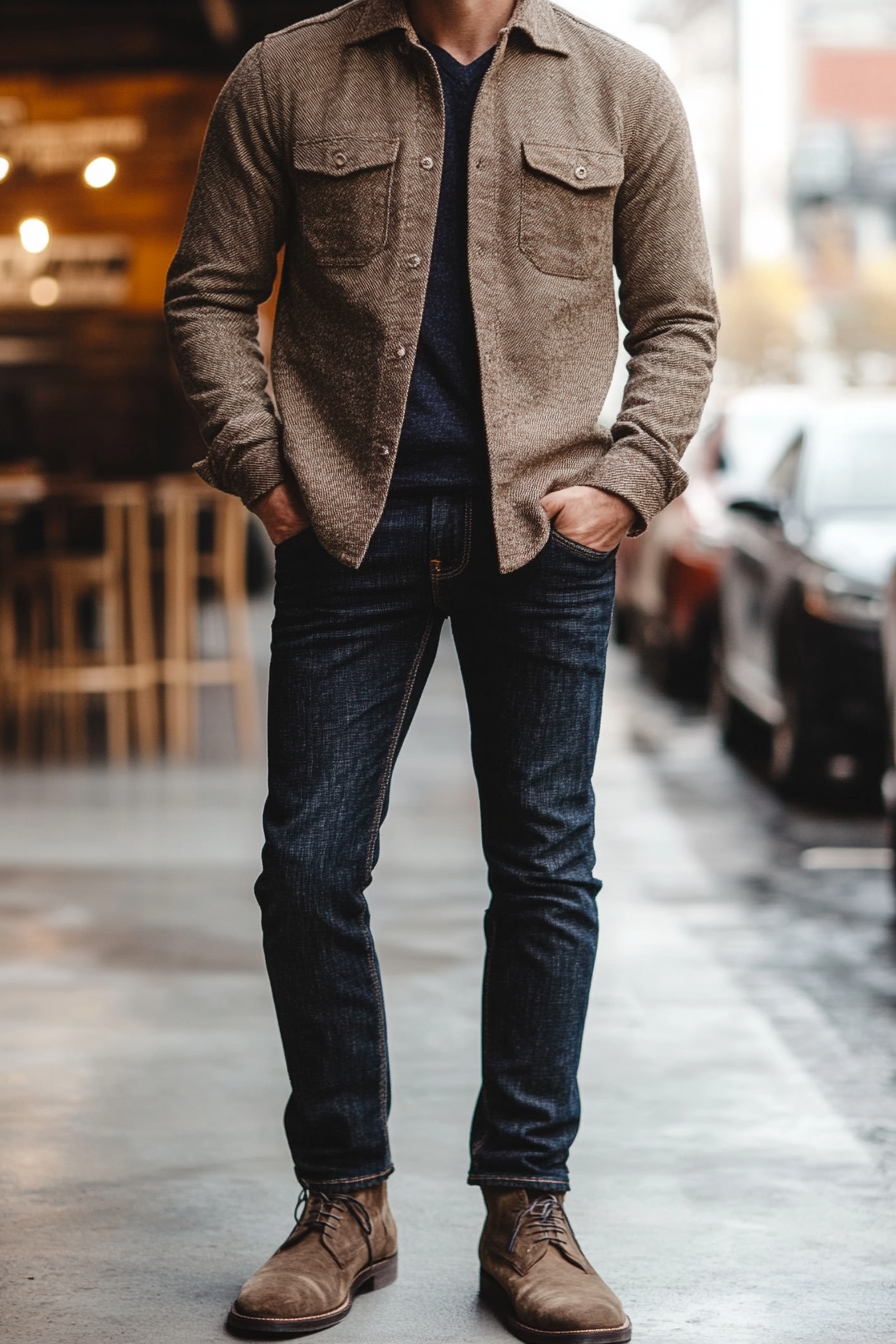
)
(591, 517)
(282, 512)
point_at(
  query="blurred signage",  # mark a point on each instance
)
(27, 350)
(46, 147)
(853, 85)
(73, 272)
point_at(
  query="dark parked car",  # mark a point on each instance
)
(889, 788)
(802, 599)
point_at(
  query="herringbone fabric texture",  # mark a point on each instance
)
(327, 140)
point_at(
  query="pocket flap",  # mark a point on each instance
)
(583, 169)
(338, 158)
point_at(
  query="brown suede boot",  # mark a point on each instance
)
(536, 1278)
(340, 1246)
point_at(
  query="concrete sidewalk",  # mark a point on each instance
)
(144, 1173)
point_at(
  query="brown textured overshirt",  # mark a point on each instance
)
(327, 141)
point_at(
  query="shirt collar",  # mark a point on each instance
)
(538, 19)
(535, 17)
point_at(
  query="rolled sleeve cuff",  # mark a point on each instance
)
(256, 472)
(630, 474)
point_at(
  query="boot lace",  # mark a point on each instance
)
(317, 1212)
(544, 1219)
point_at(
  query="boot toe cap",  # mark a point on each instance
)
(276, 1297)
(588, 1307)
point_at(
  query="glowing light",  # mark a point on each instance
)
(35, 235)
(100, 172)
(44, 291)
(5, 166)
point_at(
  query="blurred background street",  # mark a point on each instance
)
(735, 1173)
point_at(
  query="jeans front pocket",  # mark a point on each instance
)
(578, 547)
(344, 188)
(291, 542)
(567, 199)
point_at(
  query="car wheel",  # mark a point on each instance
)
(623, 620)
(796, 765)
(741, 732)
(689, 666)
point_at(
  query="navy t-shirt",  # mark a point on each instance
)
(442, 444)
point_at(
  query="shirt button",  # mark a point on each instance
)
(427, 163)
(414, 261)
(400, 351)
(384, 450)
(581, 172)
(339, 160)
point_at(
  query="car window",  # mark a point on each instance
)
(753, 440)
(783, 479)
(850, 467)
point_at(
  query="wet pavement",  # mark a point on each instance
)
(734, 1176)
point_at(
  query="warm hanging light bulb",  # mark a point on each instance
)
(44, 291)
(35, 235)
(5, 166)
(100, 171)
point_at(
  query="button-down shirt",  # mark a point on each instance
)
(327, 142)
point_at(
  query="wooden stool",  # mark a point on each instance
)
(24, 621)
(203, 552)
(22, 485)
(91, 623)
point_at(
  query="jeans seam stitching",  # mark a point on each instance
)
(371, 954)
(577, 547)
(476, 1148)
(519, 1181)
(381, 1033)
(468, 544)
(356, 1180)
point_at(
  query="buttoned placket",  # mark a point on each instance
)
(482, 256)
(412, 268)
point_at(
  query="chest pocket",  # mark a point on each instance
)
(344, 188)
(566, 208)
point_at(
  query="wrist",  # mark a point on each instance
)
(270, 497)
(282, 512)
(622, 505)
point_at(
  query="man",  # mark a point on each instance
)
(452, 184)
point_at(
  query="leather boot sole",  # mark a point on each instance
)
(491, 1292)
(378, 1275)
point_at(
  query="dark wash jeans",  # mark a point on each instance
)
(351, 652)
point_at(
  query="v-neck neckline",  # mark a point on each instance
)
(452, 66)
